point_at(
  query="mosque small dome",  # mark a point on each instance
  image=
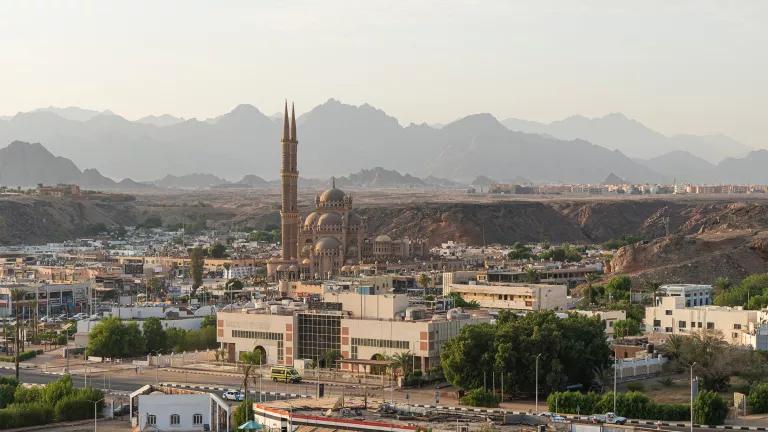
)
(329, 219)
(327, 244)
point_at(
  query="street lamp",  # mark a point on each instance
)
(615, 374)
(537, 382)
(692, 365)
(95, 404)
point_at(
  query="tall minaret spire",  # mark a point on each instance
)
(289, 176)
(286, 129)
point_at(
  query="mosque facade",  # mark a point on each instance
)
(330, 240)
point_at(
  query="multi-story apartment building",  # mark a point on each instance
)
(362, 328)
(519, 296)
(695, 294)
(671, 316)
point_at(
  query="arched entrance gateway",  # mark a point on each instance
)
(378, 368)
(262, 353)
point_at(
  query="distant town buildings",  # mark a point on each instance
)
(60, 190)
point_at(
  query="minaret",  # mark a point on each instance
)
(289, 214)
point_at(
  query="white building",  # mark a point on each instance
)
(695, 294)
(671, 316)
(159, 408)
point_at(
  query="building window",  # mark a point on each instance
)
(279, 352)
(354, 351)
(668, 329)
(737, 326)
(668, 312)
(710, 326)
(175, 419)
(381, 343)
(657, 323)
(151, 419)
(197, 419)
(681, 324)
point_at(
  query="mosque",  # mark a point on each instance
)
(332, 239)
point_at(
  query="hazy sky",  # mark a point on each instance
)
(697, 67)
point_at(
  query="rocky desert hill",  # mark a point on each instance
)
(707, 237)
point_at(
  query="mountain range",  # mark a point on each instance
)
(617, 132)
(340, 138)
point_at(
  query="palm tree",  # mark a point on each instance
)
(673, 347)
(249, 361)
(424, 280)
(532, 275)
(404, 361)
(17, 297)
(590, 277)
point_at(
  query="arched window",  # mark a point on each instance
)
(175, 419)
(197, 419)
(151, 419)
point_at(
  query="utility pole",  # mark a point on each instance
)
(537, 382)
(692, 365)
(615, 374)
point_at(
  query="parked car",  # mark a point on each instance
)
(233, 395)
(610, 418)
(121, 410)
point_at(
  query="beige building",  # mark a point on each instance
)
(362, 328)
(528, 297)
(671, 316)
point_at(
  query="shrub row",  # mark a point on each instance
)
(25, 355)
(630, 404)
(480, 397)
(23, 415)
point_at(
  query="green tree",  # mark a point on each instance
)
(243, 413)
(458, 301)
(709, 409)
(154, 285)
(249, 361)
(512, 344)
(196, 262)
(519, 252)
(154, 335)
(627, 327)
(404, 362)
(758, 398)
(618, 288)
(111, 338)
(330, 358)
(424, 280)
(218, 250)
(532, 275)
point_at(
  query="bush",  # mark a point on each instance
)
(709, 409)
(480, 398)
(573, 402)
(635, 387)
(23, 415)
(758, 398)
(630, 404)
(25, 355)
(666, 382)
(6, 394)
(240, 416)
(73, 407)
(54, 391)
(25, 395)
